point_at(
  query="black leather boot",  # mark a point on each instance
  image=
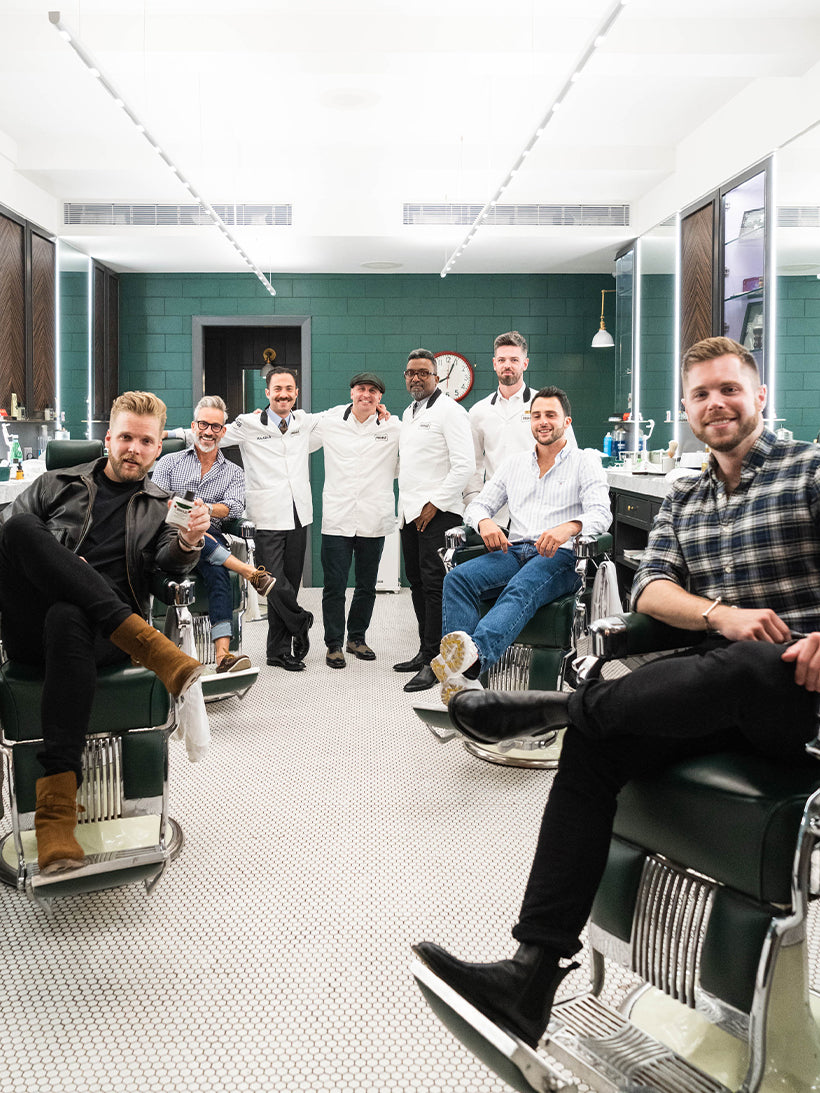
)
(488, 717)
(515, 994)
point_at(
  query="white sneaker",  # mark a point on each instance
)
(458, 653)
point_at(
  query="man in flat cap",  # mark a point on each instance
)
(358, 510)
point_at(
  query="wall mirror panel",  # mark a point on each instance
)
(794, 386)
(658, 388)
(73, 337)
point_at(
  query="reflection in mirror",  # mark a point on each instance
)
(658, 364)
(794, 392)
(744, 264)
(73, 337)
(624, 302)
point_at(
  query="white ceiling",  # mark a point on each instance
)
(349, 110)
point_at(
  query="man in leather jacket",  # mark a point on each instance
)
(77, 550)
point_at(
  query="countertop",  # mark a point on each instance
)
(9, 491)
(647, 485)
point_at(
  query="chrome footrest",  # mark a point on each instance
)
(100, 863)
(610, 1054)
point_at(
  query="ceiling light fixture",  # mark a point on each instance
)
(600, 34)
(603, 339)
(215, 218)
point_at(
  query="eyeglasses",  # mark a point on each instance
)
(422, 375)
(205, 426)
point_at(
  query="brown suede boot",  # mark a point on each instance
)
(154, 651)
(54, 821)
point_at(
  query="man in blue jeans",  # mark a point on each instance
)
(554, 492)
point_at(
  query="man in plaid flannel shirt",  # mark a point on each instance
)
(734, 553)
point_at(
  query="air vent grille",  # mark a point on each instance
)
(109, 213)
(527, 216)
(798, 216)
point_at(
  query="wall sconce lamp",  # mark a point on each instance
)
(603, 339)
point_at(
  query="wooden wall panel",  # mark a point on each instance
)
(697, 248)
(43, 286)
(12, 312)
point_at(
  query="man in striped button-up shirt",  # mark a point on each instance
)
(554, 492)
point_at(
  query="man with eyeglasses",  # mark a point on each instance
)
(221, 485)
(435, 463)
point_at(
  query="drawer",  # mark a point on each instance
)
(638, 510)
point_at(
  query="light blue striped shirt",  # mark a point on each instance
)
(575, 488)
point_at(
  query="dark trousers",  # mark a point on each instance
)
(282, 553)
(425, 572)
(737, 696)
(337, 553)
(58, 612)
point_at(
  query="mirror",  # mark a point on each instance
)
(794, 387)
(624, 303)
(657, 381)
(73, 337)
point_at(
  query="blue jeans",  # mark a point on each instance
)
(218, 583)
(522, 580)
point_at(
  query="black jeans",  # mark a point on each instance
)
(337, 553)
(282, 553)
(425, 572)
(738, 697)
(58, 612)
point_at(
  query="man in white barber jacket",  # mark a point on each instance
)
(275, 448)
(436, 461)
(358, 510)
(500, 423)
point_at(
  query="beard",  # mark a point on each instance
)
(507, 380)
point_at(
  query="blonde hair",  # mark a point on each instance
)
(141, 403)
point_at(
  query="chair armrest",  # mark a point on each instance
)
(241, 528)
(593, 546)
(633, 633)
(172, 591)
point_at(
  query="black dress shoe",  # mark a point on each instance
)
(423, 680)
(301, 641)
(516, 995)
(488, 717)
(286, 661)
(413, 665)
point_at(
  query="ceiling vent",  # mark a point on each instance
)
(108, 214)
(798, 216)
(524, 216)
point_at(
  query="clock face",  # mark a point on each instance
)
(455, 375)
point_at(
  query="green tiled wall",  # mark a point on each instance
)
(798, 355)
(371, 322)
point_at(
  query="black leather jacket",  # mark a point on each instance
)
(64, 499)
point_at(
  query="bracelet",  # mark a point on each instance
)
(189, 547)
(709, 609)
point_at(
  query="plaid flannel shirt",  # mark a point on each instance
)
(224, 484)
(756, 547)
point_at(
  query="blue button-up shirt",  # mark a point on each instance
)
(758, 546)
(224, 483)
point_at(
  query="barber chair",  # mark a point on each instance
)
(541, 657)
(704, 899)
(240, 535)
(124, 825)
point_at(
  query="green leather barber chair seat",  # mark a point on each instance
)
(539, 659)
(705, 900)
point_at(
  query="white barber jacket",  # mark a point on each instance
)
(501, 427)
(437, 459)
(361, 463)
(276, 466)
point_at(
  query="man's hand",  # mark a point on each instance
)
(805, 655)
(198, 523)
(382, 413)
(748, 624)
(550, 540)
(494, 538)
(425, 516)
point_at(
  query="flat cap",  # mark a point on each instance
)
(368, 377)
